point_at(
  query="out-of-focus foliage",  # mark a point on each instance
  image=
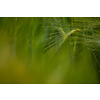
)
(50, 50)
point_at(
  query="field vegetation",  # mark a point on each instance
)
(50, 50)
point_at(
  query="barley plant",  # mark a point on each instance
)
(49, 50)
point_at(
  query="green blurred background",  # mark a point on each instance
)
(49, 50)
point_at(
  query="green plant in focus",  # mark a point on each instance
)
(57, 50)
